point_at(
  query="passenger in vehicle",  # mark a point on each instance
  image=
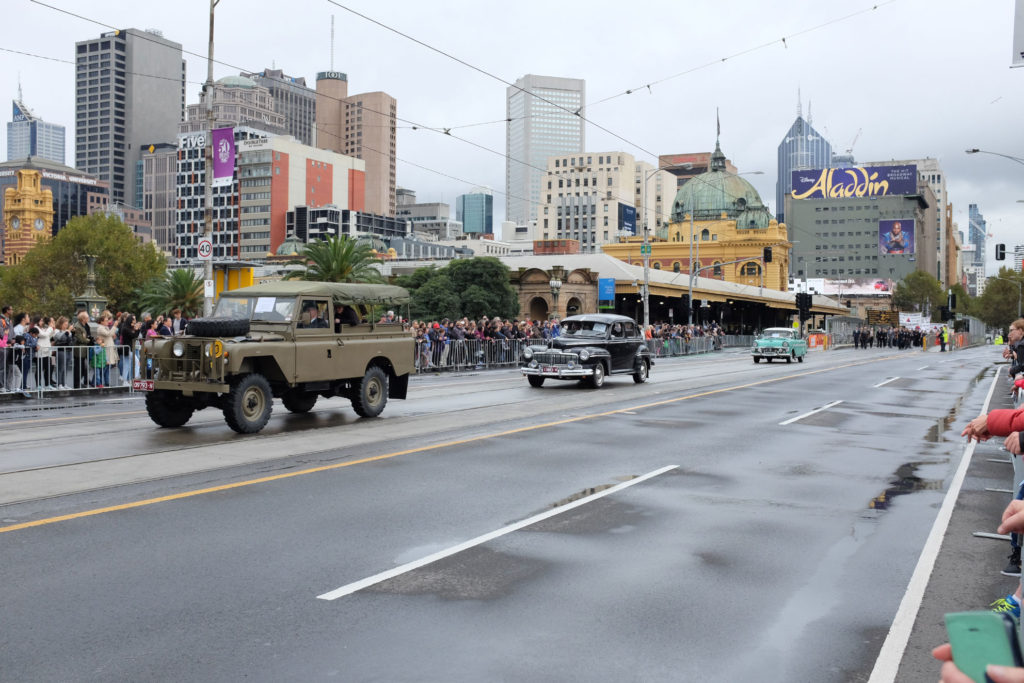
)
(314, 316)
(344, 315)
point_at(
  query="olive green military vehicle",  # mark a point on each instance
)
(293, 340)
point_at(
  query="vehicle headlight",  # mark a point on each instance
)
(214, 349)
(178, 349)
(785, 345)
(528, 353)
(584, 356)
(533, 363)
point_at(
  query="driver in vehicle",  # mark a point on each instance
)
(314, 316)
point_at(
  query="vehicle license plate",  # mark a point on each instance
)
(548, 368)
(142, 385)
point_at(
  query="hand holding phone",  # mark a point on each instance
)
(982, 638)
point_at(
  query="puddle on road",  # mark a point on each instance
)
(906, 482)
(590, 491)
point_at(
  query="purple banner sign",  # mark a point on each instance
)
(855, 181)
(223, 156)
(896, 236)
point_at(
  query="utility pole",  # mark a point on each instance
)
(208, 204)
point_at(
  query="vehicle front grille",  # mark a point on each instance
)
(555, 358)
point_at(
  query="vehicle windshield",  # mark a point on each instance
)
(777, 334)
(256, 308)
(583, 328)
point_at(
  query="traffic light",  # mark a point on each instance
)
(951, 300)
(1000, 252)
(685, 302)
(943, 313)
(767, 254)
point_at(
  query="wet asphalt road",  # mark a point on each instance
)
(755, 553)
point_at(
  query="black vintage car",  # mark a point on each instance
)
(589, 348)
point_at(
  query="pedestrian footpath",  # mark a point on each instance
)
(966, 575)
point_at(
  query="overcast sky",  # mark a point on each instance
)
(917, 78)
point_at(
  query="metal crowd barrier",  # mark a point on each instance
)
(469, 354)
(66, 368)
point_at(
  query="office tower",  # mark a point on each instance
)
(545, 119)
(291, 99)
(361, 126)
(977, 234)
(475, 211)
(129, 92)
(801, 148)
(30, 136)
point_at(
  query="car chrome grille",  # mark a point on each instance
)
(554, 358)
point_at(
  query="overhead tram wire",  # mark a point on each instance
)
(493, 76)
(413, 124)
(749, 50)
(70, 62)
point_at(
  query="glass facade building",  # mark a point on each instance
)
(978, 233)
(476, 213)
(293, 99)
(801, 148)
(29, 136)
(545, 119)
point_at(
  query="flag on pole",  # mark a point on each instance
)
(718, 125)
(223, 156)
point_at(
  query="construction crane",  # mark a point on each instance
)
(849, 150)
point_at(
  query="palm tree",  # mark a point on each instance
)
(338, 259)
(176, 289)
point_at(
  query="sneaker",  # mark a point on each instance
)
(26, 394)
(1013, 565)
(1006, 605)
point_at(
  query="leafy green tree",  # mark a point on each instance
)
(436, 299)
(338, 259)
(53, 273)
(176, 289)
(417, 278)
(917, 291)
(998, 305)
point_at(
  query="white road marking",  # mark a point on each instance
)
(889, 657)
(816, 410)
(882, 384)
(922, 367)
(423, 561)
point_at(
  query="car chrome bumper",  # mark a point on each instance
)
(770, 352)
(558, 372)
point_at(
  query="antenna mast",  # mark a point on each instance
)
(332, 42)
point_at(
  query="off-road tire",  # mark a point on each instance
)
(596, 381)
(640, 376)
(247, 406)
(299, 401)
(370, 394)
(217, 327)
(168, 408)
(536, 381)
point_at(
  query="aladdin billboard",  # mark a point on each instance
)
(896, 236)
(855, 181)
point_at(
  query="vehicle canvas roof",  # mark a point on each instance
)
(341, 292)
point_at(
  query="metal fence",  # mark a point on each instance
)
(476, 354)
(66, 368)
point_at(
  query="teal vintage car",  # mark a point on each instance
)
(779, 342)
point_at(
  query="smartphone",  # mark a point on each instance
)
(983, 638)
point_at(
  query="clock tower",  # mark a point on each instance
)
(28, 216)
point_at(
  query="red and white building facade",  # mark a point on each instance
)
(273, 174)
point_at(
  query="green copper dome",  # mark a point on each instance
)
(236, 82)
(292, 246)
(711, 194)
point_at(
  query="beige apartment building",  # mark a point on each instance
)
(360, 126)
(598, 197)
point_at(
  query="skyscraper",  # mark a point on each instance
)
(361, 126)
(476, 212)
(545, 119)
(30, 136)
(802, 147)
(292, 99)
(977, 233)
(129, 92)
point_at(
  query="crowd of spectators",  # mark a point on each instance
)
(58, 353)
(1009, 425)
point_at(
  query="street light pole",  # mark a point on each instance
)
(646, 248)
(998, 154)
(208, 205)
